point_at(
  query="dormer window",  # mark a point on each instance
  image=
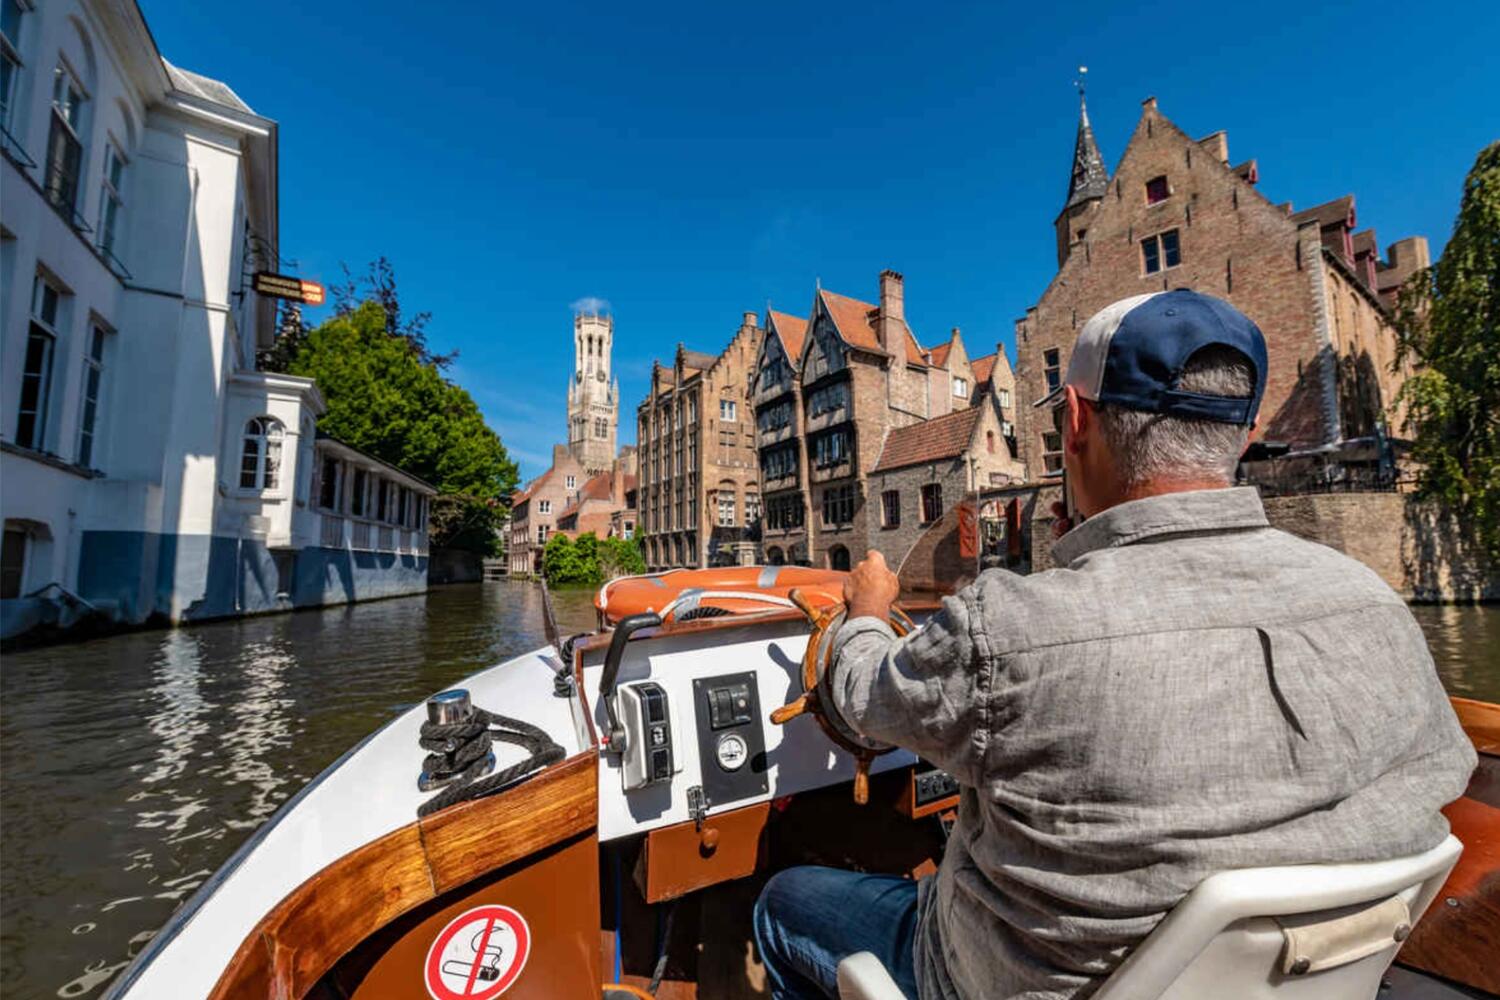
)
(1157, 190)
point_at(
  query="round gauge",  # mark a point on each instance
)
(732, 751)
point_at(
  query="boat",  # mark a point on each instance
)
(593, 819)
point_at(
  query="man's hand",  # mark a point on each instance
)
(1061, 523)
(871, 589)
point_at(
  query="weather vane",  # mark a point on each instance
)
(1082, 82)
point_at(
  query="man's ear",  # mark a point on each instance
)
(1075, 421)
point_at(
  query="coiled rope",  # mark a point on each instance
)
(460, 751)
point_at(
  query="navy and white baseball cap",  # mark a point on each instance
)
(1133, 352)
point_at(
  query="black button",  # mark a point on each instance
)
(661, 764)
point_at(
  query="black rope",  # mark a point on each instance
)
(460, 750)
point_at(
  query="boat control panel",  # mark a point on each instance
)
(688, 734)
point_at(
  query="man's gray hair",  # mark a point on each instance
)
(1153, 446)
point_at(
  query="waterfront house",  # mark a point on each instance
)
(700, 489)
(147, 469)
(831, 392)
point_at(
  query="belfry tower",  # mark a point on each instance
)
(1087, 184)
(593, 396)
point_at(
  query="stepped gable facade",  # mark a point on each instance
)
(700, 500)
(1177, 213)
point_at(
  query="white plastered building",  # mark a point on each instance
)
(147, 469)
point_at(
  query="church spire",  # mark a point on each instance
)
(1090, 178)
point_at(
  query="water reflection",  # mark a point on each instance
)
(1465, 644)
(133, 766)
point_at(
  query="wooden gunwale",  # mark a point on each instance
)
(299, 940)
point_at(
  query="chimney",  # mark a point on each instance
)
(892, 310)
(749, 319)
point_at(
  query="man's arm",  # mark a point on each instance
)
(925, 693)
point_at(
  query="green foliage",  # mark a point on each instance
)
(621, 557)
(589, 561)
(386, 395)
(1449, 321)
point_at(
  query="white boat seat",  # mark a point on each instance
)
(1297, 932)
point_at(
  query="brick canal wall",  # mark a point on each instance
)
(1423, 553)
(1421, 550)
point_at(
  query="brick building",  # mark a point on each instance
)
(827, 393)
(567, 498)
(534, 510)
(926, 469)
(700, 495)
(1177, 214)
(605, 505)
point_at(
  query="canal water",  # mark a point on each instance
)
(133, 766)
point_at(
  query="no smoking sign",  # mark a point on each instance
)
(478, 956)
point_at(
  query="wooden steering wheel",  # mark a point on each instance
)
(825, 622)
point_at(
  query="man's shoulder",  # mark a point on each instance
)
(1195, 581)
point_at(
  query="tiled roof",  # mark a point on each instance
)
(596, 487)
(983, 367)
(941, 437)
(938, 355)
(701, 360)
(853, 318)
(521, 496)
(1339, 212)
(792, 330)
(201, 86)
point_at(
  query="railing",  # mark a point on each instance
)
(333, 531)
(113, 263)
(13, 150)
(387, 538)
(405, 540)
(361, 539)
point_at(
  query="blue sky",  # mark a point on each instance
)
(687, 162)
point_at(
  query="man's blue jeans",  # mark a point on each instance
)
(807, 919)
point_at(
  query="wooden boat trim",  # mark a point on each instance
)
(1481, 721)
(299, 940)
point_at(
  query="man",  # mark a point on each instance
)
(1188, 691)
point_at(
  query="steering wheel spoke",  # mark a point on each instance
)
(825, 621)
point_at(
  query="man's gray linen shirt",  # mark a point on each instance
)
(1190, 691)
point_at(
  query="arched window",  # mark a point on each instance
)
(989, 441)
(260, 461)
(775, 557)
(838, 558)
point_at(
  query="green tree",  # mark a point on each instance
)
(387, 395)
(620, 557)
(588, 561)
(566, 563)
(1449, 322)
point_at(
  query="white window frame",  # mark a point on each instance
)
(726, 509)
(64, 81)
(265, 427)
(1003, 396)
(10, 52)
(728, 411)
(1052, 370)
(961, 388)
(91, 390)
(544, 506)
(111, 197)
(572, 482)
(38, 320)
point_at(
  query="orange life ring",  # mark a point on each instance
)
(631, 595)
